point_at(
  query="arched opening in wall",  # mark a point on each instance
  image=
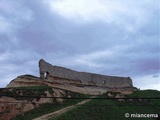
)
(46, 75)
(103, 82)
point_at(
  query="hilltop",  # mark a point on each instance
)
(80, 82)
(28, 96)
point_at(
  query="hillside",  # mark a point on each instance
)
(33, 101)
(41, 100)
(28, 97)
(104, 108)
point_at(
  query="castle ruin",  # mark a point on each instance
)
(65, 75)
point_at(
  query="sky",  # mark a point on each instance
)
(110, 37)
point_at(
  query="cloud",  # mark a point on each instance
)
(19, 11)
(17, 63)
(148, 82)
(107, 37)
(89, 59)
(131, 14)
(5, 26)
(13, 15)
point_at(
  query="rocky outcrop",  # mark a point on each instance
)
(10, 107)
(28, 80)
(81, 82)
(12, 104)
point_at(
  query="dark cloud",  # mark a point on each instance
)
(125, 43)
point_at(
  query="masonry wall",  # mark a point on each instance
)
(84, 77)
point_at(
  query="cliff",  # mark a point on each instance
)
(29, 80)
(17, 101)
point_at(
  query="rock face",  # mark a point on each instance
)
(25, 80)
(13, 105)
(47, 71)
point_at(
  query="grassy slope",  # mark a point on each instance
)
(102, 109)
(45, 108)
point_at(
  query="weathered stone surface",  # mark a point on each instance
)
(11, 106)
(85, 78)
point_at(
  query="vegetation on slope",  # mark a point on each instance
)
(112, 109)
(24, 91)
(49, 107)
(95, 109)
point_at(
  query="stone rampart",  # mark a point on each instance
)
(47, 69)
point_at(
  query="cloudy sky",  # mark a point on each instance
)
(111, 37)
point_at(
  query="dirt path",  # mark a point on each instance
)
(61, 111)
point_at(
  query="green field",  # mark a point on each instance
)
(112, 109)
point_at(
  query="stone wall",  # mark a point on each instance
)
(47, 69)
